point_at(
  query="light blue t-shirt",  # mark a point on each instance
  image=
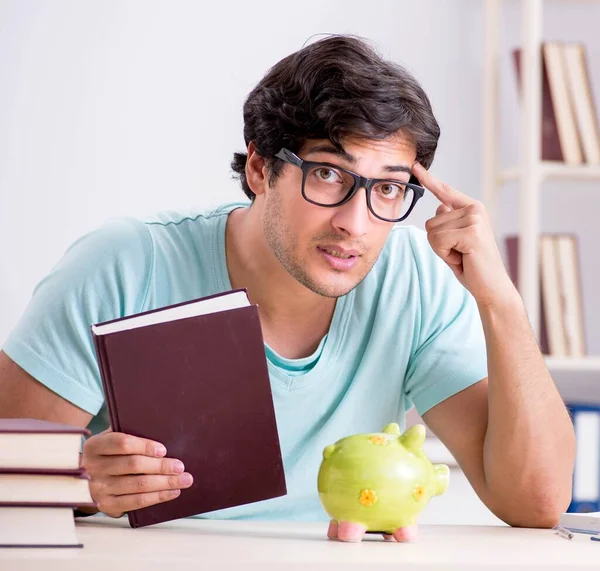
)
(409, 334)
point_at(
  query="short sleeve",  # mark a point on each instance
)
(450, 353)
(102, 276)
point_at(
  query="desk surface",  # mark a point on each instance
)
(110, 545)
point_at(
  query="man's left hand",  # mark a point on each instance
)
(461, 234)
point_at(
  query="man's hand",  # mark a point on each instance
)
(461, 234)
(128, 473)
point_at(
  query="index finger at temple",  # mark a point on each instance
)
(441, 190)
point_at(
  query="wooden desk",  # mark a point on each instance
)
(110, 545)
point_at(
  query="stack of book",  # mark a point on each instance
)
(570, 126)
(41, 483)
(562, 332)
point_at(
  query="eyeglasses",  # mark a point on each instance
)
(329, 185)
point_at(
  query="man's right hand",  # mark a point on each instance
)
(128, 473)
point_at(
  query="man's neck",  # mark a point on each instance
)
(293, 318)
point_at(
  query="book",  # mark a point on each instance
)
(552, 296)
(561, 306)
(567, 254)
(550, 142)
(512, 253)
(559, 138)
(193, 376)
(581, 522)
(580, 90)
(45, 487)
(586, 474)
(554, 56)
(39, 444)
(36, 526)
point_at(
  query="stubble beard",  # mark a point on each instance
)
(283, 244)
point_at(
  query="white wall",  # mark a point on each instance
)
(114, 108)
(117, 108)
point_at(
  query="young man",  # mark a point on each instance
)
(362, 318)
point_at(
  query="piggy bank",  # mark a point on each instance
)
(378, 483)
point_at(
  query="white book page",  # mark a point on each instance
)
(203, 307)
(567, 257)
(587, 456)
(552, 298)
(577, 81)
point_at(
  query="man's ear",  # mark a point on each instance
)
(257, 174)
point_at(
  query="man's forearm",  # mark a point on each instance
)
(529, 447)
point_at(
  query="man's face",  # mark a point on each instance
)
(331, 250)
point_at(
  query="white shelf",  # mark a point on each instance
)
(577, 379)
(550, 169)
(574, 364)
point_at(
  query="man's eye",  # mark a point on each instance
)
(390, 190)
(327, 175)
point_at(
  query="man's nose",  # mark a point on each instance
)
(354, 217)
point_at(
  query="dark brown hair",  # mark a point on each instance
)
(334, 88)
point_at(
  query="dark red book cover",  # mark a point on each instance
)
(200, 386)
(77, 473)
(551, 149)
(33, 425)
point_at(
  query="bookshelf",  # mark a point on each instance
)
(576, 378)
(549, 169)
(591, 364)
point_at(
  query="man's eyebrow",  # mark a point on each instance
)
(343, 154)
(331, 149)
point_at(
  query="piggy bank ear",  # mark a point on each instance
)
(414, 437)
(328, 451)
(392, 428)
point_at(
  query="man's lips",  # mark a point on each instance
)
(339, 252)
(338, 258)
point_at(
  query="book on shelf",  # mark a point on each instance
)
(567, 255)
(512, 255)
(569, 121)
(39, 444)
(582, 97)
(193, 376)
(561, 306)
(554, 58)
(585, 497)
(550, 142)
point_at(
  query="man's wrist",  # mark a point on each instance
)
(510, 301)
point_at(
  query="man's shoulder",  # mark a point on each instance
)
(160, 228)
(175, 220)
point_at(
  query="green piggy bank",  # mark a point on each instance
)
(378, 483)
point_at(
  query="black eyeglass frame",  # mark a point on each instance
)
(359, 182)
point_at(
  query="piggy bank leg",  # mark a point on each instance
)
(332, 532)
(407, 534)
(350, 531)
